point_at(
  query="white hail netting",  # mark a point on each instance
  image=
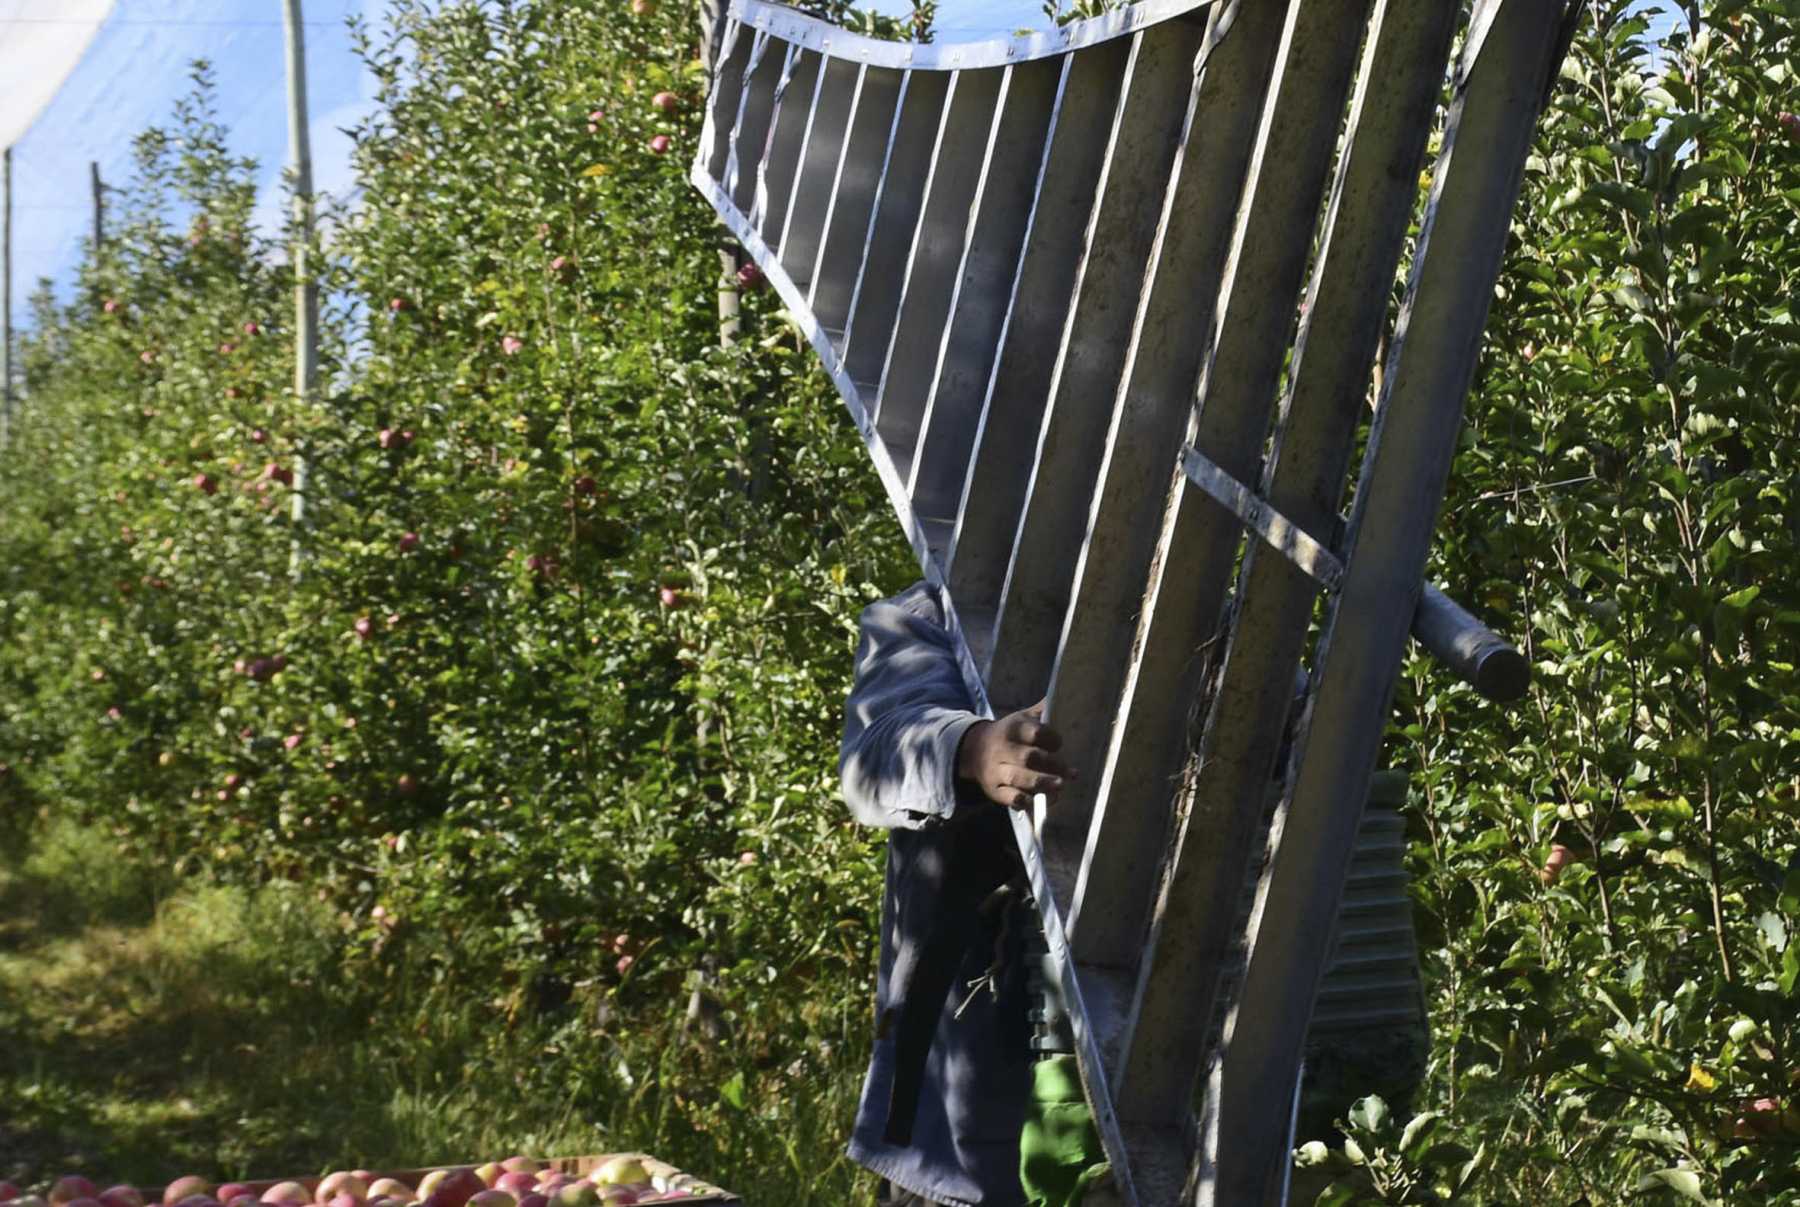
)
(40, 43)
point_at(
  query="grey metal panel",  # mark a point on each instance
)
(997, 219)
(1196, 913)
(811, 196)
(1089, 356)
(882, 272)
(750, 131)
(1169, 335)
(840, 259)
(959, 56)
(722, 105)
(1401, 485)
(1036, 312)
(1194, 549)
(780, 162)
(937, 248)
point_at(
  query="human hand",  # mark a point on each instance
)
(1013, 758)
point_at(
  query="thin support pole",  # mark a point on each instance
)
(712, 27)
(6, 392)
(306, 290)
(99, 188)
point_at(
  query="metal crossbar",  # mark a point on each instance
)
(1105, 303)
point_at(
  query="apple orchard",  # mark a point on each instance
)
(536, 695)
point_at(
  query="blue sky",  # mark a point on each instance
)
(138, 65)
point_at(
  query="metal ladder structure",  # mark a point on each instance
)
(1105, 304)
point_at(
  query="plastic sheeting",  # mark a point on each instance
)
(40, 43)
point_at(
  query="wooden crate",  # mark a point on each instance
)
(577, 1166)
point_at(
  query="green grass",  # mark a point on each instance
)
(151, 1027)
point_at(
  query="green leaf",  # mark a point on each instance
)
(1684, 1182)
(1369, 1113)
(733, 1090)
(1418, 1130)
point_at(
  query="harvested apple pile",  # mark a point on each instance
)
(514, 1182)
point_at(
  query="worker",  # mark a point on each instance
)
(961, 1104)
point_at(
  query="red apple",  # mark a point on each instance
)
(515, 1183)
(408, 542)
(292, 742)
(363, 627)
(406, 785)
(278, 473)
(70, 1187)
(205, 483)
(385, 438)
(489, 1173)
(522, 1164)
(287, 1192)
(670, 597)
(492, 1198)
(640, 8)
(246, 1199)
(196, 1200)
(659, 144)
(121, 1196)
(532, 1198)
(750, 277)
(1790, 125)
(586, 485)
(111, 306)
(259, 436)
(232, 782)
(232, 1190)
(1559, 858)
(399, 304)
(452, 1187)
(390, 1188)
(668, 102)
(512, 345)
(252, 328)
(575, 1194)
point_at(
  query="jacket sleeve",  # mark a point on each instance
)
(906, 715)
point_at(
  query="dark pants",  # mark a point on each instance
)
(893, 1196)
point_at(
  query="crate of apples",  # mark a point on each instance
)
(592, 1181)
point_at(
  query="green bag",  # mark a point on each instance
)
(1059, 1149)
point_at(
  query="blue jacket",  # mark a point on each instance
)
(947, 1084)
